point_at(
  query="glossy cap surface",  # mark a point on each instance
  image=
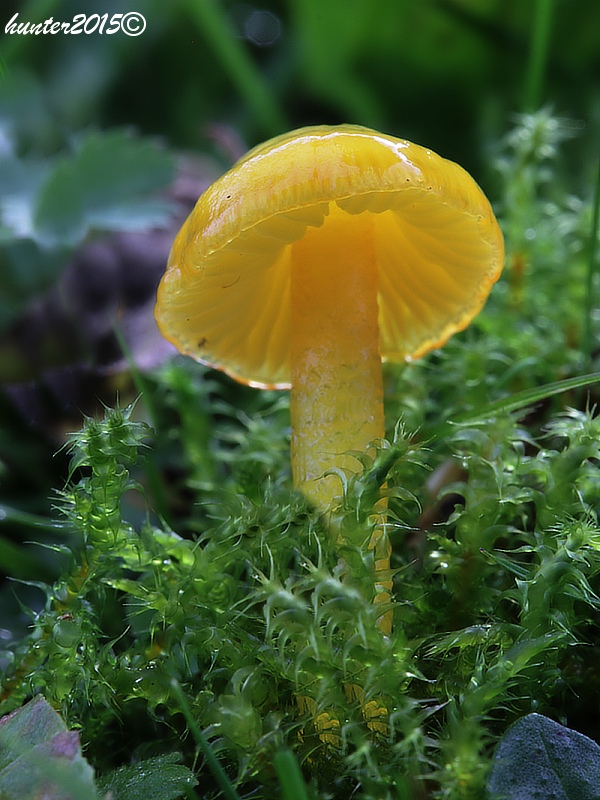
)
(225, 297)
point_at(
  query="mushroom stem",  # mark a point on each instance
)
(336, 399)
(337, 392)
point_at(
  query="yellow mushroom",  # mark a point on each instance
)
(319, 254)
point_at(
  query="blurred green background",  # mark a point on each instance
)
(447, 73)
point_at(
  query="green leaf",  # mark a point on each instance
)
(526, 398)
(538, 758)
(108, 184)
(159, 778)
(290, 776)
(39, 757)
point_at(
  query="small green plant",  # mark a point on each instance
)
(275, 647)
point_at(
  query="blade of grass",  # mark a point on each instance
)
(234, 58)
(586, 338)
(538, 54)
(28, 520)
(213, 762)
(525, 398)
(290, 776)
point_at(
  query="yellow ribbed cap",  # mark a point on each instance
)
(225, 297)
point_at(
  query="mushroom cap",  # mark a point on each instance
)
(225, 297)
